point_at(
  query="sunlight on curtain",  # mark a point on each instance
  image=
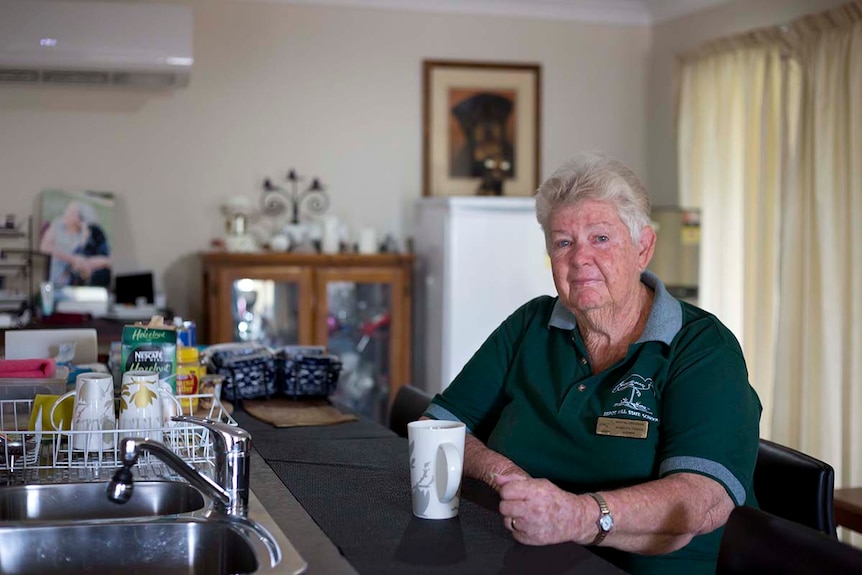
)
(818, 405)
(730, 162)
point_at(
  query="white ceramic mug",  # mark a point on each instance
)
(145, 402)
(93, 412)
(436, 465)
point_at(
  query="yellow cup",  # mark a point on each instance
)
(42, 409)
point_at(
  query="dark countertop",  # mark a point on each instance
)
(341, 495)
(316, 548)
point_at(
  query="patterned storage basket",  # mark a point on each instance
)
(307, 371)
(248, 369)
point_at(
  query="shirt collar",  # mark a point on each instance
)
(663, 323)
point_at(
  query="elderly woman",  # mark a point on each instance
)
(613, 415)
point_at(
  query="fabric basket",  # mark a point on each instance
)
(248, 369)
(307, 371)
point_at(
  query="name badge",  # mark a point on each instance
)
(622, 427)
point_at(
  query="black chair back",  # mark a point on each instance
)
(759, 543)
(795, 486)
(409, 405)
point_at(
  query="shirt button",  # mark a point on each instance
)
(582, 387)
(583, 361)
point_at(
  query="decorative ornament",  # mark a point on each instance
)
(493, 173)
(275, 201)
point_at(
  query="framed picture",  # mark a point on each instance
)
(481, 128)
(76, 231)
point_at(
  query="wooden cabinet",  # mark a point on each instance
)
(358, 306)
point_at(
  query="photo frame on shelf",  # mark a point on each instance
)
(76, 231)
(481, 128)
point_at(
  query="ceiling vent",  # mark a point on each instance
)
(75, 43)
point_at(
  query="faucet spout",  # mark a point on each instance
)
(121, 487)
(232, 447)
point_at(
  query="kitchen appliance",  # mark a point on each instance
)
(479, 259)
(677, 250)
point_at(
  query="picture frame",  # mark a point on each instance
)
(77, 231)
(481, 128)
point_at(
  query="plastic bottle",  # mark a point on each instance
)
(189, 374)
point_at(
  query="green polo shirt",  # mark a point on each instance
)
(529, 393)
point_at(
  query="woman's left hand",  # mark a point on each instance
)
(537, 512)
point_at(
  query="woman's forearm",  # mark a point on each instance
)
(652, 518)
(664, 515)
(485, 464)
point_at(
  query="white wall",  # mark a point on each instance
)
(332, 92)
(687, 33)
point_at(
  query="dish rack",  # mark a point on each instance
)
(38, 456)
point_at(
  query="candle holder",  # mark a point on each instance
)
(276, 201)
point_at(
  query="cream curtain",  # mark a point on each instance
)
(818, 396)
(767, 139)
(730, 166)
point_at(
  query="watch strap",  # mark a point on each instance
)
(605, 510)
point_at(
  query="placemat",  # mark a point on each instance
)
(286, 412)
(266, 435)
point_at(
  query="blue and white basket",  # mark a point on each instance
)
(307, 371)
(248, 369)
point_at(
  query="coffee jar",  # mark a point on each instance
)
(189, 374)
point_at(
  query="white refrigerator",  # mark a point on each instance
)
(478, 260)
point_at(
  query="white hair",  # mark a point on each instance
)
(87, 213)
(595, 176)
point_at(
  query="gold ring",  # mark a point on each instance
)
(512, 523)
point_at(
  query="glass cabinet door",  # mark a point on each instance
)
(266, 306)
(360, 325)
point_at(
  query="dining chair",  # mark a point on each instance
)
(795, 486)
(757, 542)
(409, 405)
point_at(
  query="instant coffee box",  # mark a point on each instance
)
(151, 348)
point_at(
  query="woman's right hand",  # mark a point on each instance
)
(511, 472)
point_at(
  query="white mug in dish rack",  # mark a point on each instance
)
(93, 412)
(143, 400)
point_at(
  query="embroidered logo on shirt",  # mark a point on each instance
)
(638, 385)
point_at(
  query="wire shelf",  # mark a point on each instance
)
(37, 456)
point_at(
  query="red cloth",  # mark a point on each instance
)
(27, 368)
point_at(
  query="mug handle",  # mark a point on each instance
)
(449, 467)
(165, 391)
(56, 404)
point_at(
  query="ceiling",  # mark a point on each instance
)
(642, 12)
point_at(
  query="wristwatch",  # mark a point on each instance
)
(606, 520)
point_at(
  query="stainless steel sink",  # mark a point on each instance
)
(83, 501)
(168, 547)
(166, 528)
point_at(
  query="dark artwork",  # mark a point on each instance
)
(96, 245)
(484, 135)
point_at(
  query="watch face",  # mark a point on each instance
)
(606, 521)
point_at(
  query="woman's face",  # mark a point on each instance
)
(595, 263)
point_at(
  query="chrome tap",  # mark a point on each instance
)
(232, 447)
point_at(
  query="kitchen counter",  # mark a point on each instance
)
(314, 546)
(341, 495)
